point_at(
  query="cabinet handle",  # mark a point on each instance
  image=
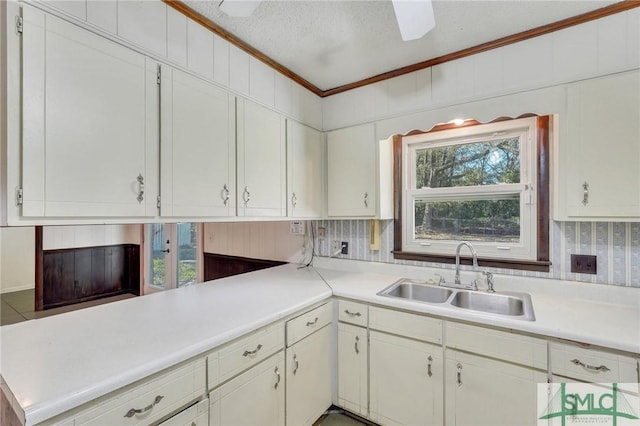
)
(356, 345)
(366, 199)
(132, 412)
(246, 196)
(314, 322)
(278, 376)
(295, 366)
(459, 374)
(294, 200)
(601, 368)
(585, 194)
(140, 196)
(225, 194)
(430, 359)
(253, 352)
(353, 314)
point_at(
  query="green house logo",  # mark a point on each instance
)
(590, 403)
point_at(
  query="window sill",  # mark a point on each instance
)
(523, 265)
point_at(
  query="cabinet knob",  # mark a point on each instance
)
(246, 196)
(601, 368)
(459, 367)
(429, 361)
(295, 364)
(132, 412)
(356, 345)
(277, 373)
(294, 199)
(225, 194)
(140, 180)
(366, 199)
(585, 194)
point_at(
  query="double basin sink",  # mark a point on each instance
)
(506, 304)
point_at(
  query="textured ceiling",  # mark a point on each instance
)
(332, 43)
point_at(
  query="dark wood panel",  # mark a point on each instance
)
(88, 273)
(220, 265)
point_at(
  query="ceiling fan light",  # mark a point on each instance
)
(239, 8)
(415, 18)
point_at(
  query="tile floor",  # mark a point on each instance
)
(19, 306)
(336, 417)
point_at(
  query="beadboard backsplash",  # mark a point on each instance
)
(616, 245)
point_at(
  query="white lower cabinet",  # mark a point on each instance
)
(196, 415)
(353, 371)
(256, 397)
(406, 381)
(309, 378)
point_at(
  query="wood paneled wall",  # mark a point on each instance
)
(220, 266)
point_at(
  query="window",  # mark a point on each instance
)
(172, 251)
(482, 183)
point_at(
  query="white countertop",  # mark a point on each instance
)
(57, 363)
(594, 314)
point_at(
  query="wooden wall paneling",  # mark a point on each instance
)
(83, 278)
(39, 272)
(220, 266)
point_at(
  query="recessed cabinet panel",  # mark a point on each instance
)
(601, 158)
(197, 147)
(304, 176)
(90, 124)
(261, 162)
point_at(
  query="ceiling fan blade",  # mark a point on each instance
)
(239, 8)
(415, 18)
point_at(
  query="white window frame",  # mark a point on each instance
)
(526, 129)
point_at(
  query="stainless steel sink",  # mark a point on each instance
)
(417, 291)
(508, 304)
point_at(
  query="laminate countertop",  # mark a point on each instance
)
(57, 363)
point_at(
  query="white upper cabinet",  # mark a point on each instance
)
(359, 174)
(261, 161)
(90, 124)
(304, 171)
(197, 147)
(598, 162)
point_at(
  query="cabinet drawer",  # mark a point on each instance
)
(591, 365)
(300, 327)
(196, 415)
(156, 398)
(353, 313)
(238, 356)
(404, 324)
(516, 348)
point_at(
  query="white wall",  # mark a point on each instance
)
(17, 259)
(596, 48)
(258, 240)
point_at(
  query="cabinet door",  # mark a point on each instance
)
(90, 124)
(351, 171)
(483, 391)
(602, 161)
(304, 171)
(197, 147)
(352, 368)
(256, 397)
(309, 376)
(406, 381)
(261, 161)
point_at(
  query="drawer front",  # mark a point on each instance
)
(591, 365)
(404, 324)
(305, 324)
(242, 354)
(196, 415)
(353, 313)
(154, 399)
(516, 348)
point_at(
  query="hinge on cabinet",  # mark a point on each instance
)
(159, 74)
(19, 24)
(19, 197)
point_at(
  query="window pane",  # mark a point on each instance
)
(187, 243)
(472, 220)
(479, 163)
(158, 255)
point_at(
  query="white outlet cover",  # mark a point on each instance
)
(296, 227)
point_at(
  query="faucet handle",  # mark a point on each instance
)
(489, 276)
(441, 280)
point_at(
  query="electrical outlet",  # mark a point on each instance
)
(584, 264)
(321, 232)
(345, 248)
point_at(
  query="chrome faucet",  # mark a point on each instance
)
(474, 285)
